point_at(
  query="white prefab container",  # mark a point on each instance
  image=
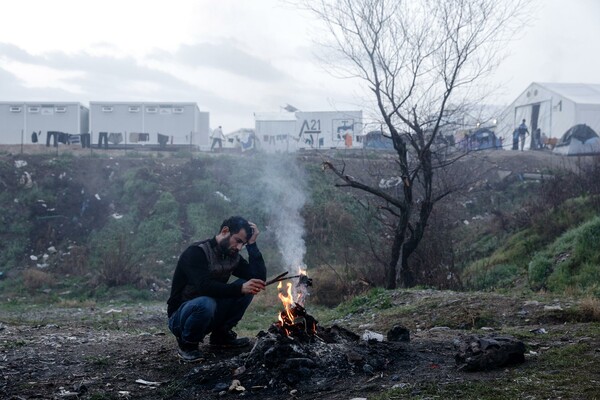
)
(328, 129)
(553, 108)
(275, 132)
(18, 120)
(150, 123)
(288, 132)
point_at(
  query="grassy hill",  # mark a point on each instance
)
(112, 224)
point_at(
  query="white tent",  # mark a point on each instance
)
(553, 108)
(580, 139)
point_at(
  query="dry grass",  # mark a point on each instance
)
(34, 279)
(590, 308)
(72, 303)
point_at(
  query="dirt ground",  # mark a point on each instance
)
(127, 352)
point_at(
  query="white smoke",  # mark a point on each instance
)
(284, 184)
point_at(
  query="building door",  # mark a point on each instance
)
(535, 114)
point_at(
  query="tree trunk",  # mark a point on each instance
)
(390, 273)
(391, 276)
(407, 278)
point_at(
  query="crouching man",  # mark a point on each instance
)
(202, 301)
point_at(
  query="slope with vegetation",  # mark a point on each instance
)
(114, 226)
(518, 254)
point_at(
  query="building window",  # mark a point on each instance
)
(151, 110)
(134, 109)
(47, 110)
(15, 109)
(107, 109)
(177, 110)
(34, 110)
(165, 110)
(60, 109)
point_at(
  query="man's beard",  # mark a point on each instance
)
(225, 249)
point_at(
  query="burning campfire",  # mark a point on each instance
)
(294, 320)
(295, 352)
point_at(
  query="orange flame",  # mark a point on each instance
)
(287, 299)
(288, 317)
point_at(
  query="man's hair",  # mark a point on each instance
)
(236, 224)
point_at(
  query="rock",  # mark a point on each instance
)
(52, 250)
(354, 357)
(539, 331)
(439, 329)
(398, 334)
(239, 370)
(485, 353)
(80, 387)
(370, 335)
(236, 386)
(553, 308)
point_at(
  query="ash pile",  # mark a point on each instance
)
(296, 353)
(310, 360)
(291, 361)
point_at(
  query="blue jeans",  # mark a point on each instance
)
(197, 317)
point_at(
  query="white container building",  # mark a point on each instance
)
(304, 130)
(150, 123)
(18, 120)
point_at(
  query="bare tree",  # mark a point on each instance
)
(422, 61)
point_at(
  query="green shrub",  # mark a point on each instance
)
(483, 276)
(378, 298)
(158, 236)
(540, 268)
(571, 262)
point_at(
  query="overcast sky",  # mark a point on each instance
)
(236, 57)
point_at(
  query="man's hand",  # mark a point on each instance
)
(253, 286)
(255, 233)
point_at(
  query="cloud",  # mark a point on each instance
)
(14, 89)
(225, 56)
(11, 52)
(105, 78)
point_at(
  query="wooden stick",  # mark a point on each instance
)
(277, 277)
(274, 280)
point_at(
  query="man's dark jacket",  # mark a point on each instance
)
(201, 274)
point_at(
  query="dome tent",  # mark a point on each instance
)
(484, 138)
(579, 139)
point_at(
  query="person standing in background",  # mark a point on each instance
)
(217, 137)
(523, 131)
